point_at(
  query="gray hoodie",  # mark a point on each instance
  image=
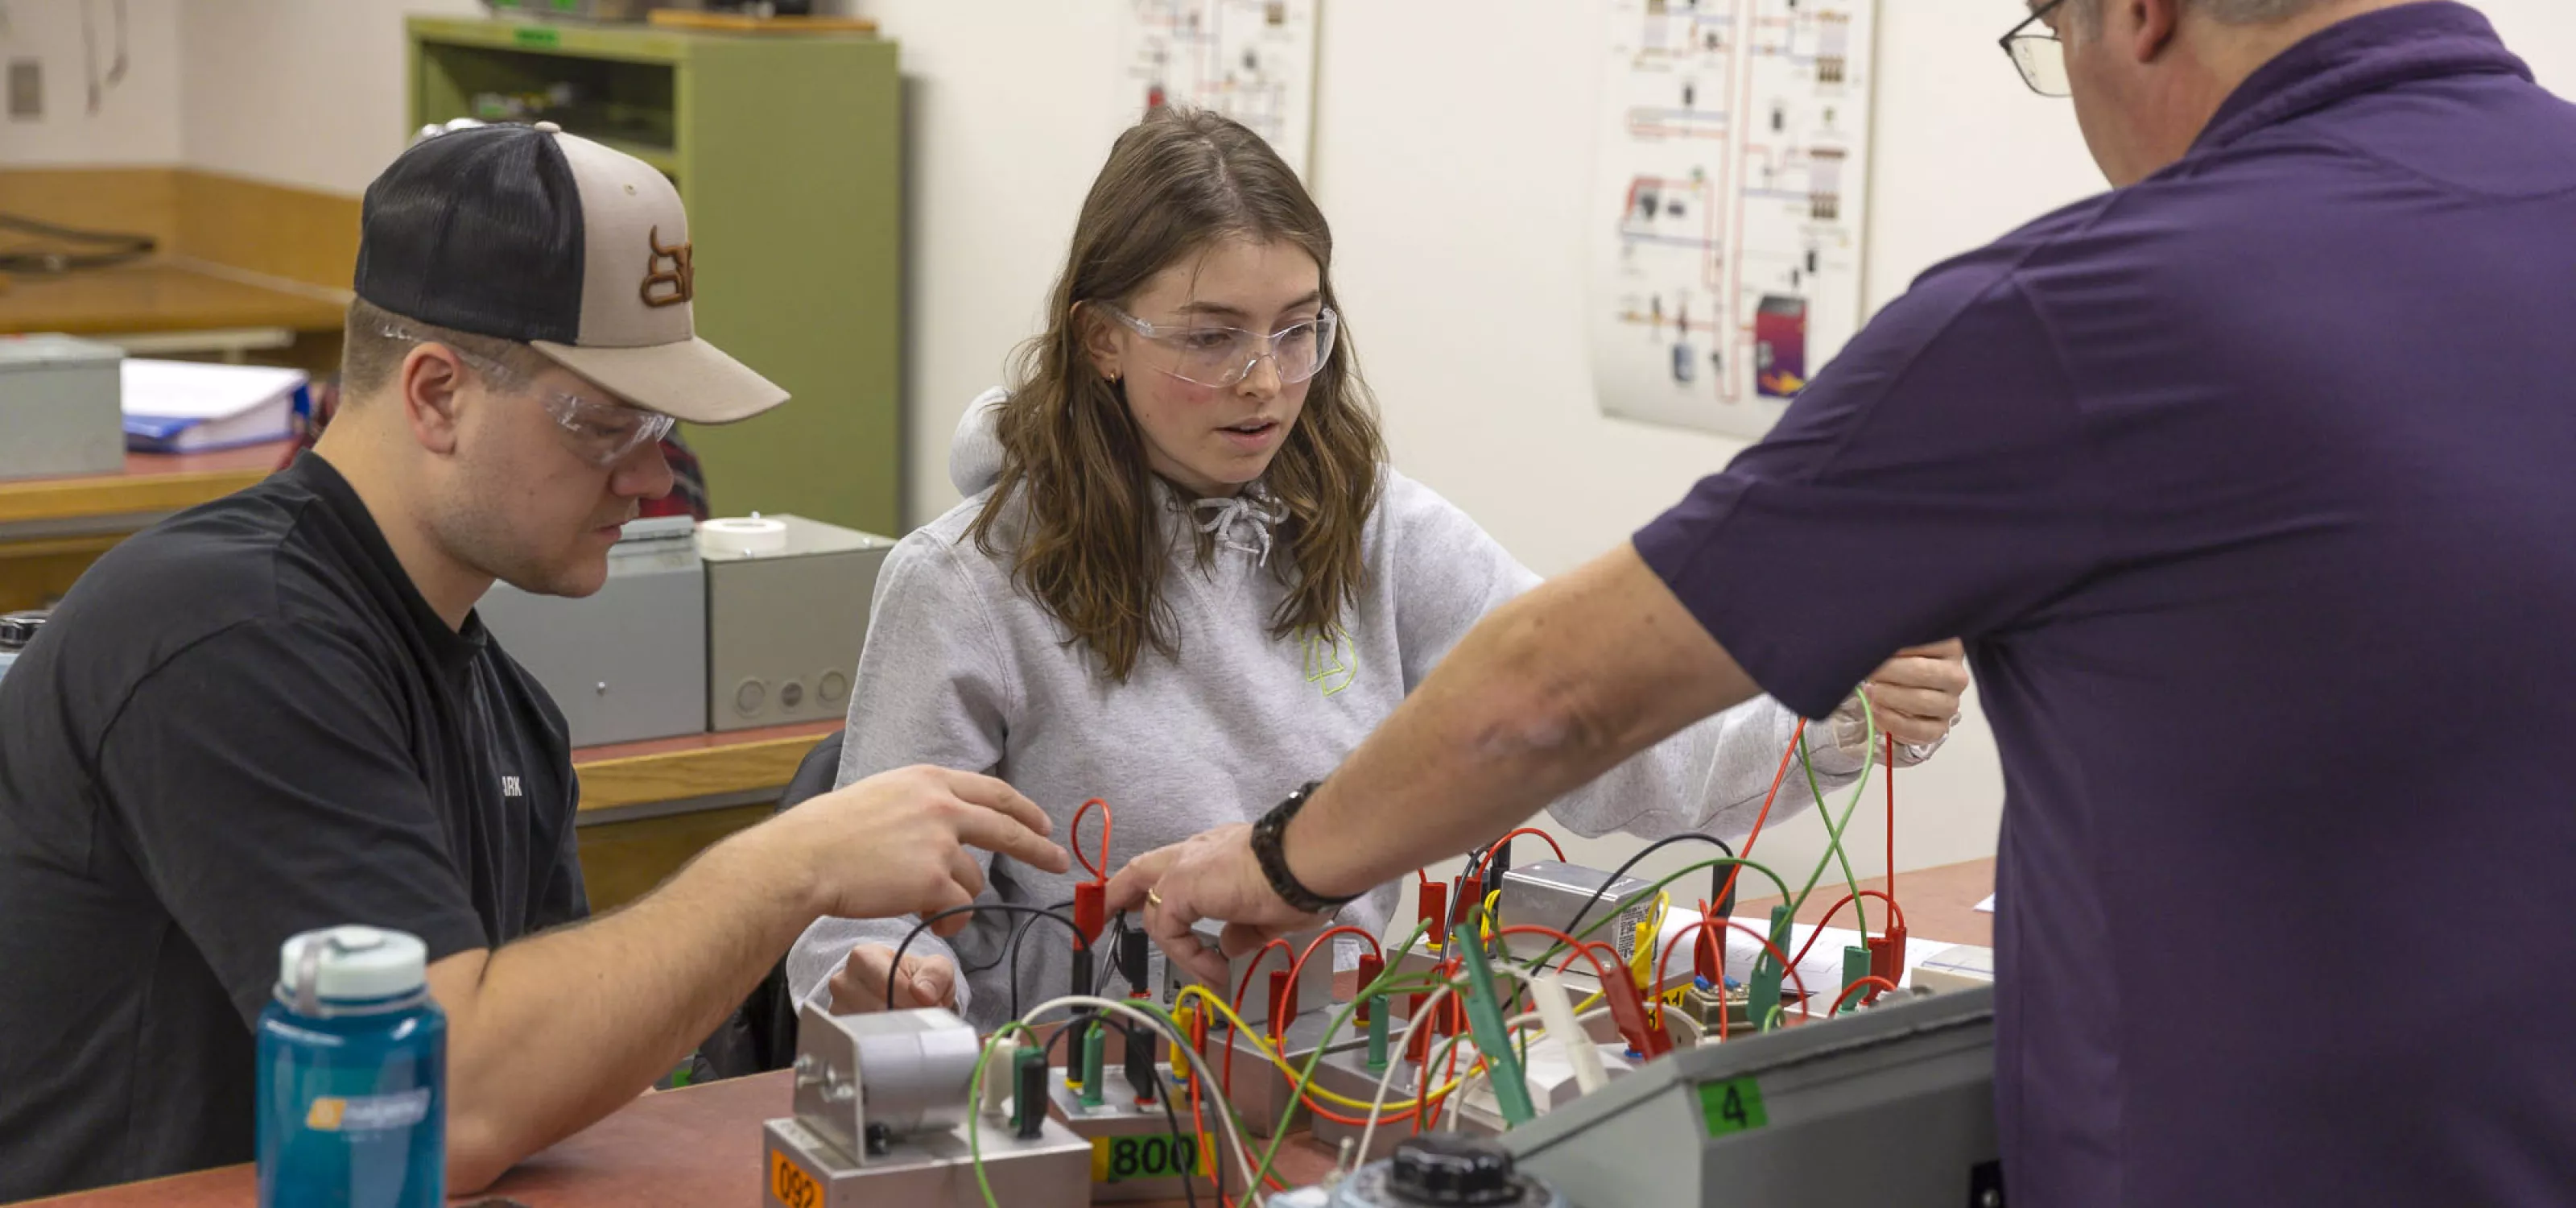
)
(962, 670)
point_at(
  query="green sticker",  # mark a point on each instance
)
(1732, 1107)
(536, 35)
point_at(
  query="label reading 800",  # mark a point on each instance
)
(1146, 1156)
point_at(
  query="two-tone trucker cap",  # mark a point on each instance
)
(530, 234)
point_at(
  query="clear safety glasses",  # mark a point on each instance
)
(1222, 356)
(599, 431)
(2038, 53)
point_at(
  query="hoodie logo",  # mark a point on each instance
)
(510, 786)
(1331, 663)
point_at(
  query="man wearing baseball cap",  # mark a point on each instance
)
(277, 712)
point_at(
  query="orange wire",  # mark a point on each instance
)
(1777, 779)
(1298, 969)
(1552, 844)
(1845, 996)
(1767, 947)
(1891, 829)
(1580, 947)
(1848, 899)
(1099, 872)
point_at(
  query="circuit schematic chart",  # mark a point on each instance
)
(1251, 60)
(1727, 231)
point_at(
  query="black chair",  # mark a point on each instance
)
(760, 1035)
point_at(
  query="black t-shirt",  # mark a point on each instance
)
(242, 724)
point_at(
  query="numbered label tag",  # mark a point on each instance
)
(1732, 1107)
(1146, 1156)
(791, 1185)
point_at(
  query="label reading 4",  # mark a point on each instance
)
(1732, 1107)
(791, 1185)
(1149, 1156)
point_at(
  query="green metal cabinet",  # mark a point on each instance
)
(788, 151)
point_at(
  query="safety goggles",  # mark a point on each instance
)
(599, 431)
(1223, 356)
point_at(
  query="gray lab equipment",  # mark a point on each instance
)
(60, 406)
(630, 662)
(1549, 893)
(881, 1119)
(1777, 1119)
(784, 627)
(1118, 1115)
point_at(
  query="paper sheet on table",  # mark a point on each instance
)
(1987, 906)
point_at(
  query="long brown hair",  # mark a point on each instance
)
(1089, 547)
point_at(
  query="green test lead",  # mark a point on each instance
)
(1485, 1024)
(1855, 967)
(1762, 990)
(1095, 1052)
(1377, 1031)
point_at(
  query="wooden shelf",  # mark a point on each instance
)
(694, 767)
(157, 296)
(624, 43)
(152, 482)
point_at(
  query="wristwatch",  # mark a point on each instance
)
(1267, 836)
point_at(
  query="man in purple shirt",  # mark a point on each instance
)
(2250, 484)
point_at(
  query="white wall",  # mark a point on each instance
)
(1453, 154)
(299, 92)
(138, 117)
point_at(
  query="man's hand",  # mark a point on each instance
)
(924, 980)
(1916, 694)
(1210, 875)
(895, 843)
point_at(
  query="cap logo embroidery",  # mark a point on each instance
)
(672, 285)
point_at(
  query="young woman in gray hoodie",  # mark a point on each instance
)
(1185, 580)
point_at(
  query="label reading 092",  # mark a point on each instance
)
(1145, 1156)
(790, 1185)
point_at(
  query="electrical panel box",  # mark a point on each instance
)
(785, 626)
(630, 662)
(1548, 893)
(60, 407)
(1892, 1105)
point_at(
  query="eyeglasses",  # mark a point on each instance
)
(597, 431)
(2040, 56)
(1223, 356)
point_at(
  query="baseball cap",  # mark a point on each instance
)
(527, 233)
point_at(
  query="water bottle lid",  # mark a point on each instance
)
(19, 628)
(349, 964)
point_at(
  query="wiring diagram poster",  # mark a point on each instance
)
(1251, 60)
(1727, 230)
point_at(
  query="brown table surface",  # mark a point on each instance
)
(701, 1147)
(1939, 903)
(694, 765)
(150, 482)
(157, 296)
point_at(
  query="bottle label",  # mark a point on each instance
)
(368, 1113)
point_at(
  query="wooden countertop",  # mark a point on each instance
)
(693, 1148)
(157, 296)
(1939, 903)
(151, 482)
(694, 766)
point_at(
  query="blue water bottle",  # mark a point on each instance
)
(352, 1076)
